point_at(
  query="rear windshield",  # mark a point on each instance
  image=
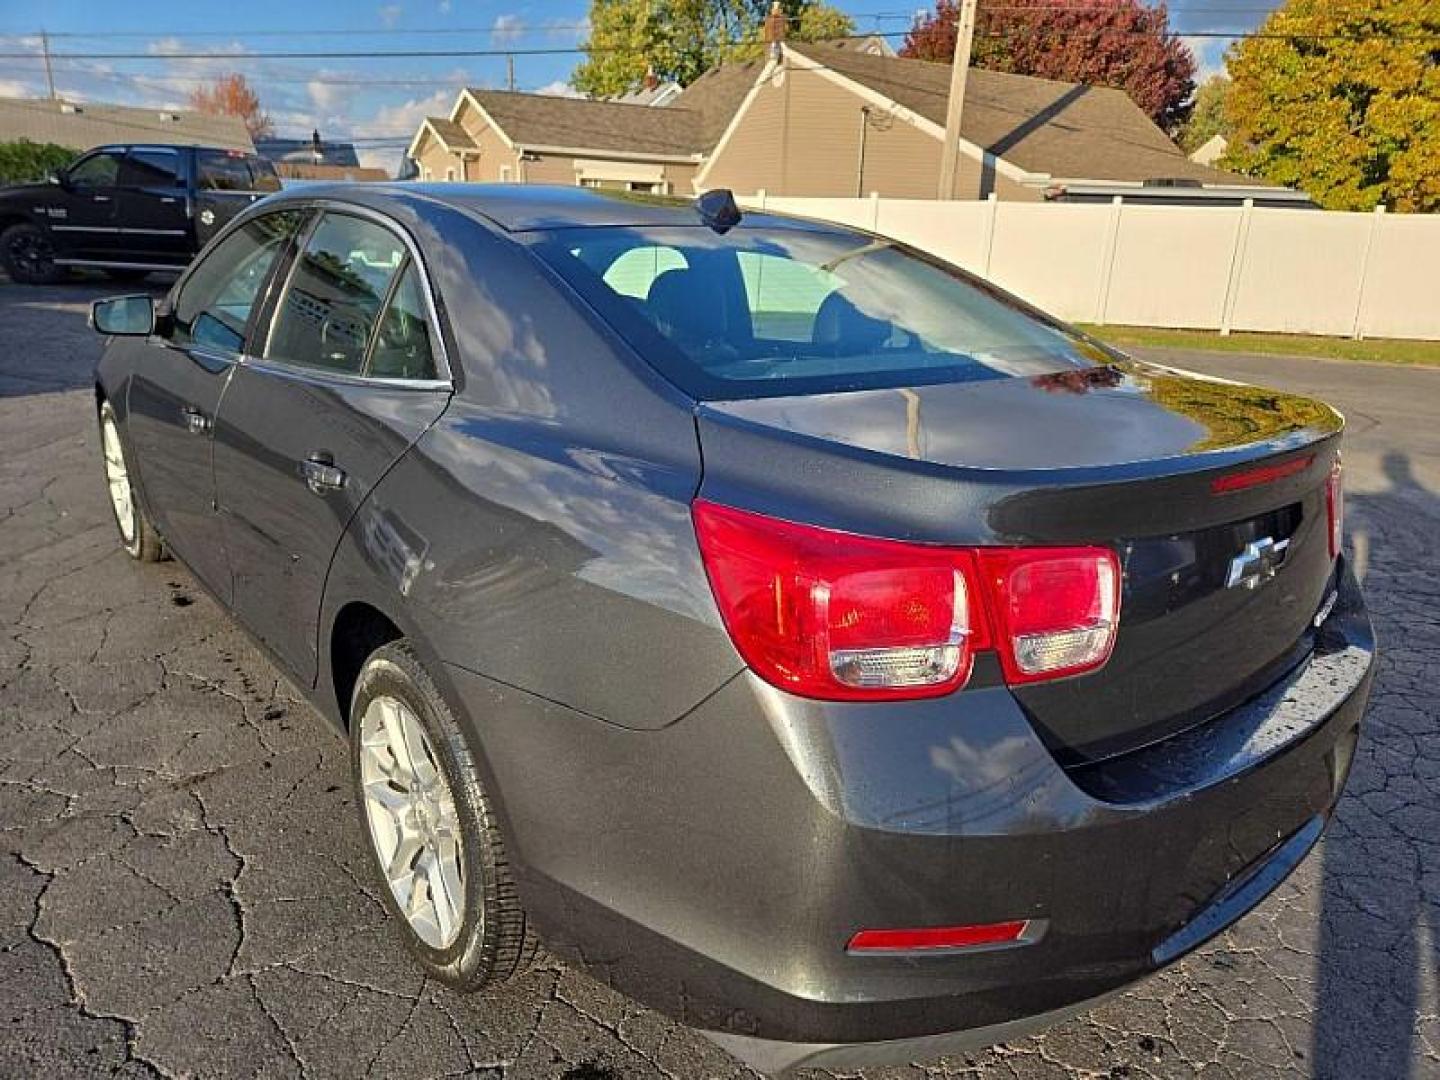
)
(762, 312)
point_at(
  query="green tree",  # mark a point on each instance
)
(682, 39)
(25, 162)
(1207, 114)
(1342, 100)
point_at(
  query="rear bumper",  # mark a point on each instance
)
(715, 869)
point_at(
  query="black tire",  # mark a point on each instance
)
(494, 941)
(29, 255)
(126, 276)
(138, 536)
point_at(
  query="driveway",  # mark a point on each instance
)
(182, 882)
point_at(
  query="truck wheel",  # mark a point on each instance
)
(28, 255)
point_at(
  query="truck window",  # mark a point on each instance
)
(98, 170)
(264, 176)
(151, 168)
(222, 170)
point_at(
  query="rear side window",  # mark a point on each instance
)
(766, 310)
(214, 304)
(223, 170)
(335, 294)
(402, 347)
(151, 168)
(263, 175)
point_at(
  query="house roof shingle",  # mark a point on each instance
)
(585, 124)
(450, 133)
(1068, 130)
(83, 125)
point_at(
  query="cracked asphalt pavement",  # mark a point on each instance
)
(183, 889)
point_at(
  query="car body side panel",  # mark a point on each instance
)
(545, 518)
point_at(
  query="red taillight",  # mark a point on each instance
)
(937, 938)
(1056, 609)
(1335, 506)
(836, 616)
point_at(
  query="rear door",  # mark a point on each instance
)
(225, 184)
(349, 374)
(86, 229)
(153, 206)
(179, 381)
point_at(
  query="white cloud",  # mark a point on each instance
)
(404, 119)
(390, 14)
(559, 88)
(16, 88)
(444, 7)
(507, 30)
(1209, 56)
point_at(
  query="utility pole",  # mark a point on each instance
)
(510, 72)
(49, 74)
(959, 71)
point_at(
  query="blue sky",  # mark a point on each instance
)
(379, 99)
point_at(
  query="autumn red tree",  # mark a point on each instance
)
(230, 95)
(1119, 43)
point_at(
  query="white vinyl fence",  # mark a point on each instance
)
(1203, 267)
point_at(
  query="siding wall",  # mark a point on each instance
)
(802, 138)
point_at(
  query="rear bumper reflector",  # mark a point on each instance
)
(946, 938)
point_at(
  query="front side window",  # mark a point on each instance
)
(97, 170)
(215, 302)
(151, 168)
(335, 294)
(768, 311)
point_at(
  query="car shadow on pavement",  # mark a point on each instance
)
(50, 324)
(1378, 955)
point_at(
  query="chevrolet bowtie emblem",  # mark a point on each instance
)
(1258, 563)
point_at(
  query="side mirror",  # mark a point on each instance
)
(54, 178)
(123, 316)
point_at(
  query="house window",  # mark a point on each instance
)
(505, 174)
(450, 174)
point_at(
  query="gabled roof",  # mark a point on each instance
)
(715, 97)
(583, 124)
(451, 135)
(82, 125)
(1065, 130)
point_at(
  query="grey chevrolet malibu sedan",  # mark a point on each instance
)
(811, 640)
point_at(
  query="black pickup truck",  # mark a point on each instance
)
(127, 210)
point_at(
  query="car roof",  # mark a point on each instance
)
(528, 207)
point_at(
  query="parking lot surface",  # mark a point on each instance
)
(182, 880)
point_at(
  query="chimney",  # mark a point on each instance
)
(651, 79)
(775, 25)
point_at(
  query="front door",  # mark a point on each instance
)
(154, 212)
(85, 228)
(346, 380)
(179, 383)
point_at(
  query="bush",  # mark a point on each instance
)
(26, 162)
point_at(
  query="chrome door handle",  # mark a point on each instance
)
(196, 422)
(168, 199)
(100, 198)
(322, 474)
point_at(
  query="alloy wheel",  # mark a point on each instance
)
(414, 827)
(117, 478)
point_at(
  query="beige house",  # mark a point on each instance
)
(495, 136)
(827, 119)
(832, 119)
